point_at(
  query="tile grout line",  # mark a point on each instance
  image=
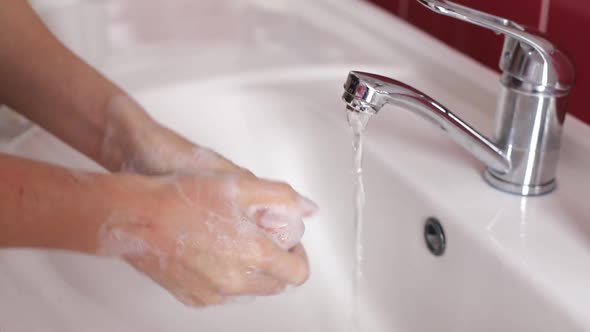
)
(544, 15)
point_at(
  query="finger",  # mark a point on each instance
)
(229, 167)
(194, 287)
(286, 236)
(290, 267)
(257, 194)
(188, 300)
(198, 287)
(190, 288)
(257, 284)
(208, 296)
(299, 250)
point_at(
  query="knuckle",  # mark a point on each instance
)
(290, 191)
(285, 186)
(282, 187)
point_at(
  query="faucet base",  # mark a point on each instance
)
(518, 189)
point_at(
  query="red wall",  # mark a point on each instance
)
(566, 23)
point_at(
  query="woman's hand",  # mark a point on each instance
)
(206, 234)
(195, 236)
(134, 142)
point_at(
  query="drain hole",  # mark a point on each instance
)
(434, 235)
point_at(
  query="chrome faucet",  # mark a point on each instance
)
(536, 80)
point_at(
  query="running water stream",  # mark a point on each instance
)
(358, 122)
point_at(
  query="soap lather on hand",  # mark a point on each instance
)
(200, 226)
(134, 142)
(224, 246)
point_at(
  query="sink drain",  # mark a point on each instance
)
(434, 235)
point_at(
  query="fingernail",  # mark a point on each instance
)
(309, 207)
(272, 220)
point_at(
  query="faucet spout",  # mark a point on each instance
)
(364, 92)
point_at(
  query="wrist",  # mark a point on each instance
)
(134, 142)
(112, 198)
(126, 125)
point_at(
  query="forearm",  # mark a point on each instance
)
(45, 206)
(43, 80)
(50, 85)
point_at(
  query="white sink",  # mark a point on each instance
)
(511, 264)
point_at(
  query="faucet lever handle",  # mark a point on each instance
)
(495, 23)
(557, 70)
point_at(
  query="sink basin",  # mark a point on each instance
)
(511, 264)
(297, 132)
